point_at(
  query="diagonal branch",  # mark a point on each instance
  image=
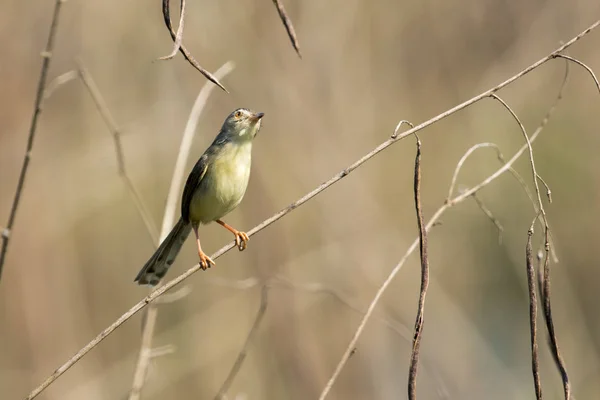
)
(37, 110)
(287, 23)
(336, 178)
(115, 132)
(188, 56)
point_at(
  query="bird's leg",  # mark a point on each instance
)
(205, 260)
(241, 239)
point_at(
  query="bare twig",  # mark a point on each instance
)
(162, 289)
(179, 35)
(588, 69)
(58, 82)
(399, 125)
(548, 191)
(144, 356)
(175, 296)
(531, 159)
(462, 160)
(414, 358)
(533, 314)
(37, 109)
(490, 215)
(115, 132)
(264, 298)
(287, 23)
(188, 56)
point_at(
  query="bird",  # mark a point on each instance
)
(214, 187)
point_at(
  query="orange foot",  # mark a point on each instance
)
(205, 261)
(241, 240)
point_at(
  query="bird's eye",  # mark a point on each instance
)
(238, 114)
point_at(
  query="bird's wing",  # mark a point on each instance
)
(193, 181)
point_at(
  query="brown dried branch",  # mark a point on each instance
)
(37, 110)
(287, 23)
(264, 299)
(115, 132)
(576, 61)
(179, 35)
(533, 314)
(188, 56)
(414, 358)
(336, 178)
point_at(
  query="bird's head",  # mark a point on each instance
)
(242, 124)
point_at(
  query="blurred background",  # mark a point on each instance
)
(79, 240)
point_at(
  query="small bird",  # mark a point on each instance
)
(215, 187)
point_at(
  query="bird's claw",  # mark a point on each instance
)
(241, 240)
(205, 261)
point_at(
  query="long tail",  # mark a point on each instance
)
(158, 265)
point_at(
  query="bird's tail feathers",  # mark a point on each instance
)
(158, 265)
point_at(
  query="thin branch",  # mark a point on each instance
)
(37, 110)
(144, 356)
(576, 61)
(548, 191)
(264, 298)
(179, 35)
(177, 295)
(414, 358)
(490, 215)
(533, 314)
(399, 125)
(289, 28)
(531, 159)
(433, 221)
(188, 56)
(162, 289)
(58, 82)
(115, 132)
(462, 160)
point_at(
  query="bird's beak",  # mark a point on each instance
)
(258, 116)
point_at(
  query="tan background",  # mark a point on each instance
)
(79, 241)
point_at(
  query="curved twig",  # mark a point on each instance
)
(188, 56)
(179, 36)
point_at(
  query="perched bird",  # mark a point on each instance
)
(215, 187)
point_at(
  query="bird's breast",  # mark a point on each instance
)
(224, 184)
